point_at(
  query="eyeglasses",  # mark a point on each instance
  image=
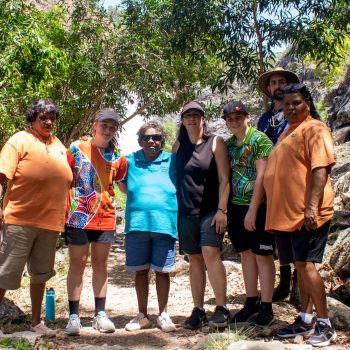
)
(45, 118)
(155, 137)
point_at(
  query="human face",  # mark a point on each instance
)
(193, 119)
(295, 108)
(44, 123)
(151, 142)
(237, 122)
(105, 131)
(276, 84)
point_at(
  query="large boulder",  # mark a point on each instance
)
(339, 257)
(10, 313)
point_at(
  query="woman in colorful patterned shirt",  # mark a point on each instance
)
(248, 150)
(91, 220)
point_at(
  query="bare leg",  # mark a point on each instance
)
(78, 255)
(216, 273)
(197, 279)
(266, 269)
(163, 287)
(250, 273)
(99, 259)
(313, 287)
(36, 296)
(141, 286)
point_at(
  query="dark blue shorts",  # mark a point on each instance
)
(146, 250)
(79, 236)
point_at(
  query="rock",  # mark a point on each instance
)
(10, 313)
(298, 347)
(342, 192)
(339, 257)
(299, 339)
(181, 267)
(30, 337)
(339, 314)
(256, 345)
(102, 347)
(232, 267)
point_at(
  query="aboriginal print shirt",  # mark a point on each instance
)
(91, 201)
(256, 145)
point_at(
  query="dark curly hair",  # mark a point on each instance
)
(153, 124)
(305, 92)
(41, 105)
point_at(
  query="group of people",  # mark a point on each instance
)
(265, 187)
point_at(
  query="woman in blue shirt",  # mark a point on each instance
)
(151, 222)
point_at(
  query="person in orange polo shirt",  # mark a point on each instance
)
(300, 207)
(34, 165)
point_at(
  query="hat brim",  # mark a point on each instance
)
(265, 77)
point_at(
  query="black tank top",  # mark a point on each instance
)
(198, 184)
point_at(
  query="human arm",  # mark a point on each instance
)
(176, 146)
(2, 184)
(318, 182)
(122, 186)
(222, 163)
(258, 194)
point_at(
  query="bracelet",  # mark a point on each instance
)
(224, 211)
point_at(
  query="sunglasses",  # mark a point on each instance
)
(155, 137)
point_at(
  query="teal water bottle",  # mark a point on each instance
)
(50, 304)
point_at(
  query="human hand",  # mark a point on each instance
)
(220, 222)
(310, 219)
(249, 220)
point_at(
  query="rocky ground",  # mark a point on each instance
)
(122, 306)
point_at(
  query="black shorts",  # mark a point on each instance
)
(302, 245)
(79, 236)
(196, 232)
(259, 241)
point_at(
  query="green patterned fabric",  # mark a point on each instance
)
(255, 146)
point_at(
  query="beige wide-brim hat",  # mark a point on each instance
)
(264, 78)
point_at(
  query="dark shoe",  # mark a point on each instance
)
(249, 310)
(220, 318)
(298, 327)
(265, 315)
(282, 290)
(323, 335)
(197, 319)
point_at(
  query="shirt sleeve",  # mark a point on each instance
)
(9, 159)
(319, 147)
(262, 148)
(122, 169)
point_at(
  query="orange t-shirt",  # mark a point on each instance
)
(91, 202)
(39, 178)
(287, 180)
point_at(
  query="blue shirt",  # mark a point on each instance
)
(272, 124)
(151, 203)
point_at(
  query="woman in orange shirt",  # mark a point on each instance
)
(300, 207)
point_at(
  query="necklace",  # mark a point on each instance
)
(45, 140)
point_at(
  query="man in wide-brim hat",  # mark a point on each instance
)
(273, 123)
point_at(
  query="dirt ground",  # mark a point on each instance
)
(122, 306)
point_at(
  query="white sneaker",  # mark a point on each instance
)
(73, 327)
(102, 323)
(137, 323)
(165, 323)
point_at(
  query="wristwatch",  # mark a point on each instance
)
(223, 210)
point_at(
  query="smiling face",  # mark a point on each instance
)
(151, 142)
(193, 119)
(276, 83)
(105, 130)
(44, 123)
(295, 107)
(237, 122)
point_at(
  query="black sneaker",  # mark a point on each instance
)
(249, 310)
(220, 318)
(323, 335)
(197, 319)
(296, 328)
(265, 315)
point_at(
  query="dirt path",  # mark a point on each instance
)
(122, 306)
